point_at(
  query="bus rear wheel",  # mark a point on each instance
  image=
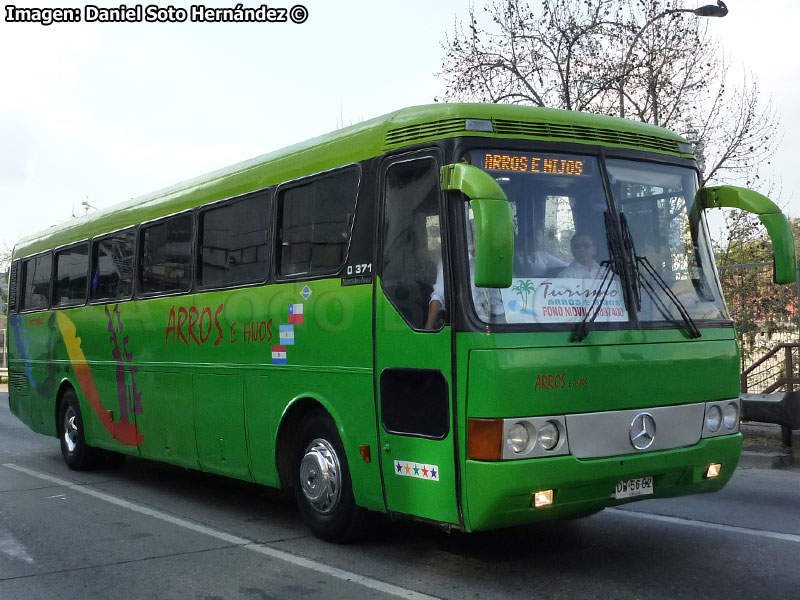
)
(78, 455)
(321, 480)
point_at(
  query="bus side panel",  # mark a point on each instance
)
(320, 348)
(162, 401)
(100, 344)
(37, 364)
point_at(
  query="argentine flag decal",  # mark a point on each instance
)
(279, 355)
(287, 335)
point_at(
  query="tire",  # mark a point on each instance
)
(321, 481)
(77, 454)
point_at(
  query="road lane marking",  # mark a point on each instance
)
(11, 546)
(368, 582)
(775, 535)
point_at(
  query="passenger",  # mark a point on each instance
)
(584, 266)
(536, 264)
(488, 301)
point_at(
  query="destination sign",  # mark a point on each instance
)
(527, 162)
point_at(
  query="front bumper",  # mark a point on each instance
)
(498, 494)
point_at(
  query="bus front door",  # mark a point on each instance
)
(412, 348)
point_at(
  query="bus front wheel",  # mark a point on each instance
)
(78, 455)
(322, 485)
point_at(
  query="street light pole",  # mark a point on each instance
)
(709, 10)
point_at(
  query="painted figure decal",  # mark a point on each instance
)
(123, 431)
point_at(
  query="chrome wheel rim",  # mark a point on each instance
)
(70, 429)
(320, 476)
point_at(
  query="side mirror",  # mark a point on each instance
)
(494, 224)
(780, 232)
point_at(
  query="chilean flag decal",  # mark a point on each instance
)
(295, 314)
(279, 355)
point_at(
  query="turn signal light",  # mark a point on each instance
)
(485, 439)
(713, 470)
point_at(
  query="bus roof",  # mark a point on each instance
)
(392, 131)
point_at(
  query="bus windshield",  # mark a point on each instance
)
(561, 254)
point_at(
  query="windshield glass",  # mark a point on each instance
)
(558, 203)
(561, 253)
(669, 234)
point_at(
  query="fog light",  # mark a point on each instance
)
(713, 418)
(518, 437)
(713, 470)
(548, 435)
(543, 498)
(730, 415)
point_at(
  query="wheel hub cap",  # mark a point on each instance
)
(70, 430)
(320, 476)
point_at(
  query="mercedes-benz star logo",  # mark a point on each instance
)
(643, 431)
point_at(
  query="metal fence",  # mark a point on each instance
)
(766, 316)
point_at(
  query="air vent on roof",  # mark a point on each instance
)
(583, 133)
(411, 134)
(424, 131)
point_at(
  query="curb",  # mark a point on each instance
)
(764, 460)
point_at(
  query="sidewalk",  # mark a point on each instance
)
(762, 447)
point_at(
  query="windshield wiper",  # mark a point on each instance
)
(641, 282)
(582, 330)
(612, 267)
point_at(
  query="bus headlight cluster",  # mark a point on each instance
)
(721, 418)
(534, 436)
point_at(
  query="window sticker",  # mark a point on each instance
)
(561, 300)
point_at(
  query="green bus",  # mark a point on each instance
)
(475, 315)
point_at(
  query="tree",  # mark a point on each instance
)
(595, 55)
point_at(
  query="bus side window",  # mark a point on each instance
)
(36, 282)
(166, 265)
(69, 284)
(314, 224)
(112, 266)
(412, 242)
(233, 243)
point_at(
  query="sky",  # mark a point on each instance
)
(99, 113)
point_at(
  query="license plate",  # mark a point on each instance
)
(630, 488)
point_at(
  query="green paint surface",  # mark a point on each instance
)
(195, 372)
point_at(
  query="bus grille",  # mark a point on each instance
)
(531, 129)
(17, 380)
(12, 288)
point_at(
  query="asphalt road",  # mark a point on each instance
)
(154, 531)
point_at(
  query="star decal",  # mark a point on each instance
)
(416, 470)
(424, 471)
(408, 469)
(399, 467)
(433, 473)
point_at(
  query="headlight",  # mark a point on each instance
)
(548, 436)
(713, 418)
(730, 415)
(518, 437)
